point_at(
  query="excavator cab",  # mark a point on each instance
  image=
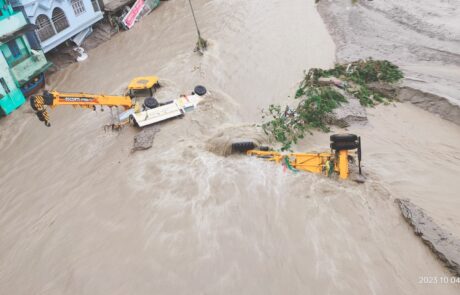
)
(326, 163)
(143, 86)
(139, 87)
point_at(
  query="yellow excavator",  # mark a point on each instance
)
(149, 112)
(335, 162)
(85, 100)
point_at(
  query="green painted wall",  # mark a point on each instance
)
(19, 64)
(10, 98)
(5, 10)
(22, 49)
(27, 63)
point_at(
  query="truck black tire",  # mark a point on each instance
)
(243, 146)
(345, 137)
(133, 121)
(150, 103)
(48, 98)
(340, 146)
(200, 90)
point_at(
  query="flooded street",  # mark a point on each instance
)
(81, 214)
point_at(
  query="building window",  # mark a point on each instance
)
(95, 5)
(14, 48)
(78, 7)
(4, 85)
(15, 51)
(59, 20)
(45, 29)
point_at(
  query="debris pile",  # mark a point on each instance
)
(131, 15)
(334, 96)
(144, 139)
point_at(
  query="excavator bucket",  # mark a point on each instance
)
(38, 102)
(44, 117)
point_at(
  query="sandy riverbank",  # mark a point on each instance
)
(420, 36)
(81, 214)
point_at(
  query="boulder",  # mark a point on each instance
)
(144, 139)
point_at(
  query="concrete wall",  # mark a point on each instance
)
(12, 23)
(12, 100)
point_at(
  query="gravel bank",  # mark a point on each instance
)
(420, 36)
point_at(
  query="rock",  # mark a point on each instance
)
(144, 139)
(445, 246)
(385, 89)
(349, 113)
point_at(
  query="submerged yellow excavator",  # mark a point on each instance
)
(326, 163)
(149, 112)
(85, 100)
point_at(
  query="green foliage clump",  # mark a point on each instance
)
(367, 71)
(288, 126)
(318, 100)
(201, 45)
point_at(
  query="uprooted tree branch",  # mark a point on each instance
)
(322, 91)
(201, 43)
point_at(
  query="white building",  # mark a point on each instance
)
(59, 20)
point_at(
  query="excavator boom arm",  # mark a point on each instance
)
(89, 100)
(84, 100)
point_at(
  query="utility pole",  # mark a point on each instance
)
(201, 44)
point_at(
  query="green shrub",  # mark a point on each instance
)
(317, 102)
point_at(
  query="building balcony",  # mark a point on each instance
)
(75, 27)
(12, 24)
(30, 67)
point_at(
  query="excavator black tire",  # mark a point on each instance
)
(151, 103)
(133, 121)
(242, 147)
(344, 137)
(340, 146)
(200, 90)
(264, 148)
(48, 98)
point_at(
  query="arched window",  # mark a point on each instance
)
(45, 29)
(59, 20)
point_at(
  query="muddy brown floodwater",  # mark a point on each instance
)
(81, 214)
